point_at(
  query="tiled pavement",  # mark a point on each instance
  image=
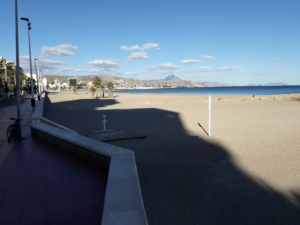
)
(40, 184)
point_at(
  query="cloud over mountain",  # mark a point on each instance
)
(104, 64)
(165, 66)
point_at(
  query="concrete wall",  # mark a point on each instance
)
(123, 204)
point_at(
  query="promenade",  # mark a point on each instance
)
(40, 184)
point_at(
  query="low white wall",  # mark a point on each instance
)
(123, 202)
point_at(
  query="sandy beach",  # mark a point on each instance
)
(246, 172)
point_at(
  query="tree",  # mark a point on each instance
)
(97, 82)
(92, 89)
(11, 87)
(110, 86)
(2, 77)
(23, 77)
(11, 71)
(75, 89)
(3, 66)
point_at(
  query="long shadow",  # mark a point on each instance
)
(203, 129)
(12, 101)
(184, 179)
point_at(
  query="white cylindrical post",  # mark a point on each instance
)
(209, 112)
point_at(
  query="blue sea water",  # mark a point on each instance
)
(245, 90)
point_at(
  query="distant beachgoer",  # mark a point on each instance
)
(253, 96)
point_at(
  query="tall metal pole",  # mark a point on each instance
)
(39, 80)
(37, 74)
(30, 63)
(18, 73)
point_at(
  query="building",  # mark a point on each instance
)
(57, 82)
(72, 82)
(45, 82)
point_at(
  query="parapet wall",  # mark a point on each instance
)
(123, 202)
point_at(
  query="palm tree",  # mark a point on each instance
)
(23, 78)
(97, 82)
(110, 86)
(11, 71)
(3, 66)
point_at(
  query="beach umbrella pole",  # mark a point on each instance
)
(209, 114)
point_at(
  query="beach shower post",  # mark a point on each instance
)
(104, 123)
(209, 112)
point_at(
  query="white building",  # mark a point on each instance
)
(57, 82)
(45, 82)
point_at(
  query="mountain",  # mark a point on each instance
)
(276, 84)
(172, 78)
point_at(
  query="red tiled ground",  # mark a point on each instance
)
(40, 184)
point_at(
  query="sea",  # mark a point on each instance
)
(240, 90)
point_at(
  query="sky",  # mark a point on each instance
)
(227, 41)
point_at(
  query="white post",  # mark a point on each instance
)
(209, 112)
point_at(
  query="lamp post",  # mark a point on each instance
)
(36, 61)
(18, 72)
(31, 83)
(42, 84)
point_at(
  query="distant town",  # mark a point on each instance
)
(8, 76)
(170, 81)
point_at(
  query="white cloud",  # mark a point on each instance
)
(149, 46)
(133, 47)
(208, 68)
(99, 72)
(45, 65)
(59, 50)
(137, 47)
(65, 69)
(200, 69)
(104, 64)
(166, 66)
(227, 68)
(137, 56)
(190, 61)
(165, 72)
(208, 57)
(243, 71)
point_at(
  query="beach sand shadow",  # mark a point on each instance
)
(184, 179)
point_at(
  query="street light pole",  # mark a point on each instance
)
(36, 61)
(19, 131)
(31, 83)
(42, 84)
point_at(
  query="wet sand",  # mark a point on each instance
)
(246, 172)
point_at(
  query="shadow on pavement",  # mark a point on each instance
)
(12, 101)
(184, 179)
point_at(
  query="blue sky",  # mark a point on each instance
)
(229, 41)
